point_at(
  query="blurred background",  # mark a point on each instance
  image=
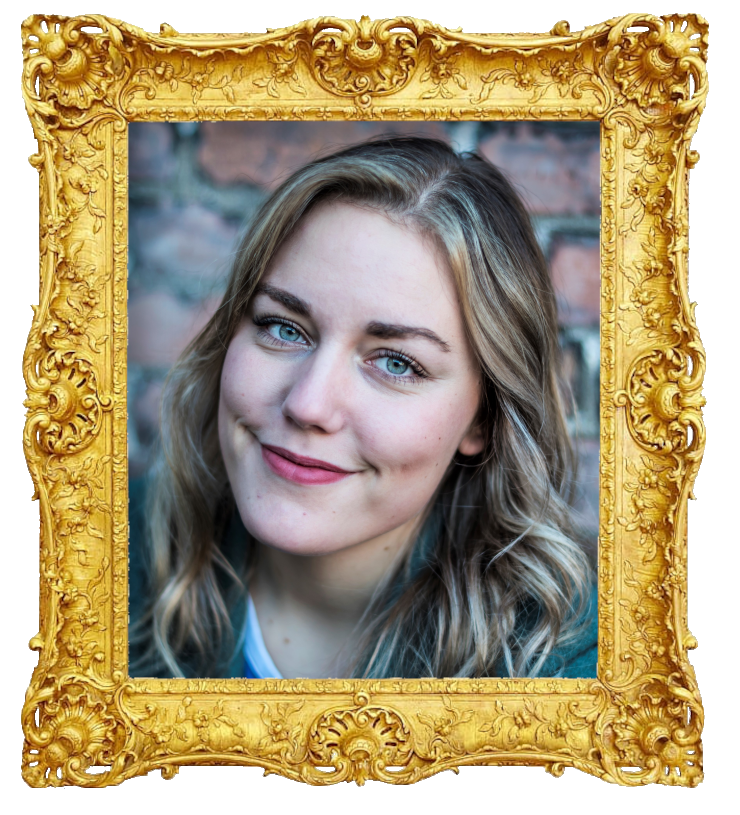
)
(193, 187)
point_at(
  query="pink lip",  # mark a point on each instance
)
(301, 469)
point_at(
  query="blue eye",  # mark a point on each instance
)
(278, 331)
(288, 333)
(396, 366)
(400, 368)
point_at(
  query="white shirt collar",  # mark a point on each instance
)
(255, 651)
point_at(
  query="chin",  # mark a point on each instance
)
(289, 530)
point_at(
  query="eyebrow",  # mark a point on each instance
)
(290, 301)
(385, 331)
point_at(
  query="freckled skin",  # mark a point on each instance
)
(329, 394)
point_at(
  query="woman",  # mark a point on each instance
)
(365, 468)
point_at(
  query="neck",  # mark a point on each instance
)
(309, 607)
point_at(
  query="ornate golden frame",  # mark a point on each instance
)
(85, 721)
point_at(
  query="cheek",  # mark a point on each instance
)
(247, 387)
(414, 440)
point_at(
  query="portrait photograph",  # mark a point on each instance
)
(371, 417)
(468, 547)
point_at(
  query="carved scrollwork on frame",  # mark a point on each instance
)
(653, 66)
(644, 79)
(361, 742)
(664, 402)
(538, 74)
(659, 733)
(364, 59)
(71, 67)
(69, 728)
(66, 408)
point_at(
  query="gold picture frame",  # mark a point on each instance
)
(86, 722)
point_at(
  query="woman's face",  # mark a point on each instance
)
(348, 387)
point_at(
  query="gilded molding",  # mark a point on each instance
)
(644, 79)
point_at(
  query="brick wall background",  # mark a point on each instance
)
(193, 186)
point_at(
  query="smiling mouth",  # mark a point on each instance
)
(301, 469)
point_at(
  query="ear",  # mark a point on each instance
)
(473, 442)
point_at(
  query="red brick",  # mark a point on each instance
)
(554, 175)
(150, 154)
(576, 276)
(160, 326)
(265, 153)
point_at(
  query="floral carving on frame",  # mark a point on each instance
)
(644, 79)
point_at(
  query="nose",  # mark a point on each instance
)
(315, 396)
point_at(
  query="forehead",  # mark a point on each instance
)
(358, 259)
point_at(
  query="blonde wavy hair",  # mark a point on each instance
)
(497, 579)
